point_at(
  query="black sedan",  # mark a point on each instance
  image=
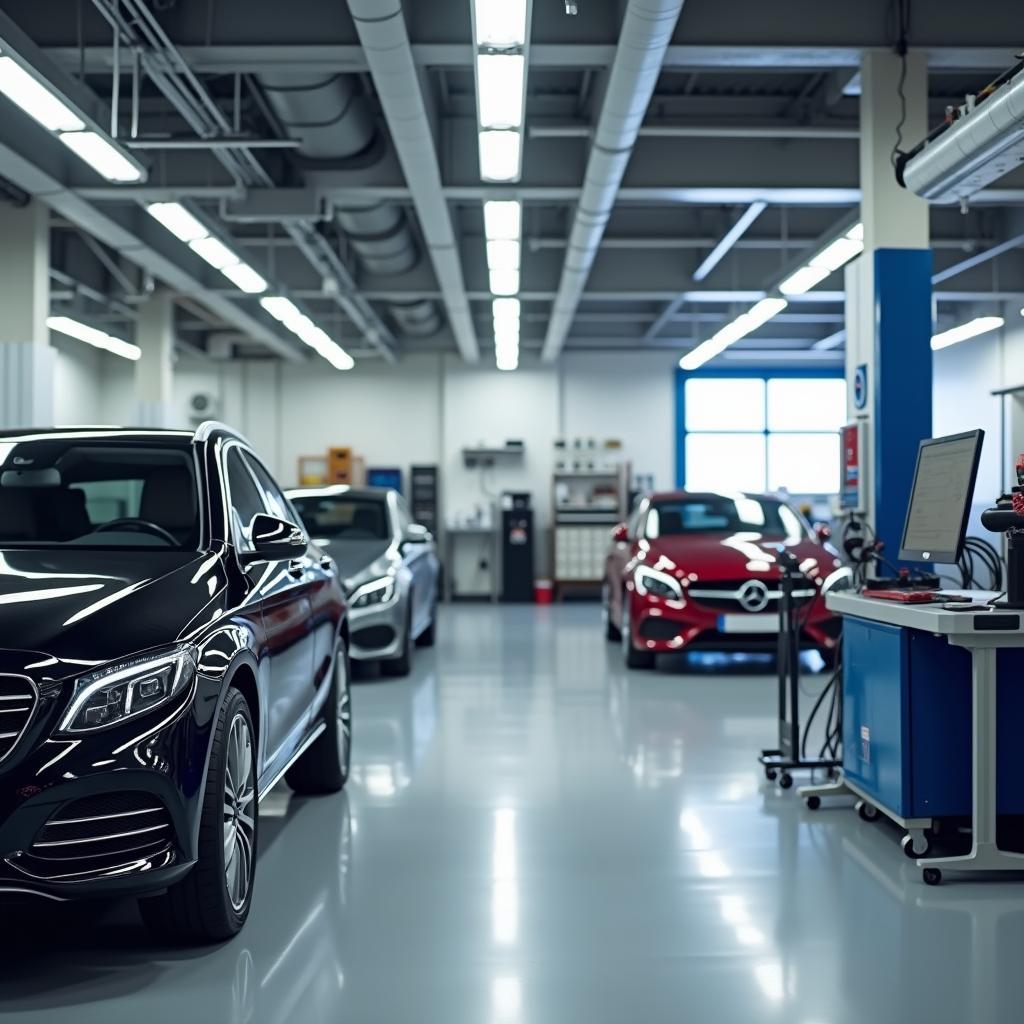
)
(170, 647)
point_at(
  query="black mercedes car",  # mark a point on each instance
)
(170, 647)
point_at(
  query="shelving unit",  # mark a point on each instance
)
(587, 503)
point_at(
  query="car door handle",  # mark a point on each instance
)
(296, 568)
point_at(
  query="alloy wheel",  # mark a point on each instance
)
(239, 816)
(344, 709)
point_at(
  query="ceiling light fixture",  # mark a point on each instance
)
(500, 155)
(285, 312)
(827, 261)
(746, 323)
(499, 79)
(93, 336)
(503, 218)
(37, 98)
(980, 325)
(185, 226)
(500, 22)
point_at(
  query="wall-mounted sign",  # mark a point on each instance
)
(860, 387)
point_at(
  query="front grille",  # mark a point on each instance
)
(723, 594)
(111, 834)
(17, 702)
(653, 628)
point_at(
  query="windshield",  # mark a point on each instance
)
(343, 517)
(719, 513)
(63, 492)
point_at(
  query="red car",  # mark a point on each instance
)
(700, 571)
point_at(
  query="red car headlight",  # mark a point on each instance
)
(656, 583)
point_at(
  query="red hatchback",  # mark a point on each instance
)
(700, 571)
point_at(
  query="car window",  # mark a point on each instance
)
(246, 499)
(719, 513)
(343, 517)
(61, 491)
(277, 504)
(404, 519)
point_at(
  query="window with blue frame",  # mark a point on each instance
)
(762, 433)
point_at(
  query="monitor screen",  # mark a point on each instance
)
(940, 501)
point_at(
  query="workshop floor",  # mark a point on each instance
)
(533, 835)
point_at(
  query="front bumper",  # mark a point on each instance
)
(663, 626)
(49, 848)
(377, 632)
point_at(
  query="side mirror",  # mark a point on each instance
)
(274, 540)
(823, 532)
(620, 535)
(416, 535)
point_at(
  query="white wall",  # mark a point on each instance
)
(77, 384)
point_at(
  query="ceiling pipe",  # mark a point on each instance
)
(381, 28)
(646, 32)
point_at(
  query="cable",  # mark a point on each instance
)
(900, 13)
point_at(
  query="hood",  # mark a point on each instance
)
(711, 556)
(358, 560)
(86, 605)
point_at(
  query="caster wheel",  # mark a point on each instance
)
(866, 811)
(770, 774)
(922, 849)
(932, 876)
(785, 780)
(813, 803)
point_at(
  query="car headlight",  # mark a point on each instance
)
(128, 689)
(656, 583)
(379, 591)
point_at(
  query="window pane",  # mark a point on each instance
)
(725, 462)
(806, 403)
(726, 404)
(803, 463)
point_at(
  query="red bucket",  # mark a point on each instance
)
(543, 591)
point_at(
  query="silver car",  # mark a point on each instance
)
(388, 564)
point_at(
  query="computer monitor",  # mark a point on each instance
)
(940, 500)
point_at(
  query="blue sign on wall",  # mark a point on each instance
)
(860, 387)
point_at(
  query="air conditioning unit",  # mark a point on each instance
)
(983, 142)
(203, 405)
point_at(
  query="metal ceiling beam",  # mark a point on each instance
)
(705, 131)
(334, 58)
(647, 28)
(729, 239)
(382, 31)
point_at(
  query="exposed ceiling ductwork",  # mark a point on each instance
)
(381, 28)
(646, 32)
(333, 121)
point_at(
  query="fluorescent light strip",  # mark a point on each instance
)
(93, 336)
(500, 153)
(758, 315)
(35, 99)
(503, 254)
(499, 23)
(830, 259)
(287, 313)
(101, 155)
(980, 325)
(503, 219)
(504, 282)
(186, 227)
(499, 82)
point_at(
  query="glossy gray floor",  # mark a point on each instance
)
(533, 835)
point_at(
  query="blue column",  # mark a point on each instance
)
(902, 388)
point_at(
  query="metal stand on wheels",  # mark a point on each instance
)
(780, 762)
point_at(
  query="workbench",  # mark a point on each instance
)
(922, 739)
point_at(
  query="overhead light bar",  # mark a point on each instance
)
(827, 261)
(980, 325)
(189, 229)
(500, 31)
(21, 85)
(93, 336)
(746, 323)
(503, 224)
(285, 312)
(503, 218)
(506, 317)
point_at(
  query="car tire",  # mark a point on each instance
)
(611, 632)
(429, 636)
(211, 903)
(402, 665)
(324, 767)
(633, 657)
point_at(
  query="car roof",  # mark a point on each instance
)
(107, 431)
(704, 495)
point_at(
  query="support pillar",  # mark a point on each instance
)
(154, 370)
(27, 361)
(889, 296)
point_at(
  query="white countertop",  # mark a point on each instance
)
(932, 618)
